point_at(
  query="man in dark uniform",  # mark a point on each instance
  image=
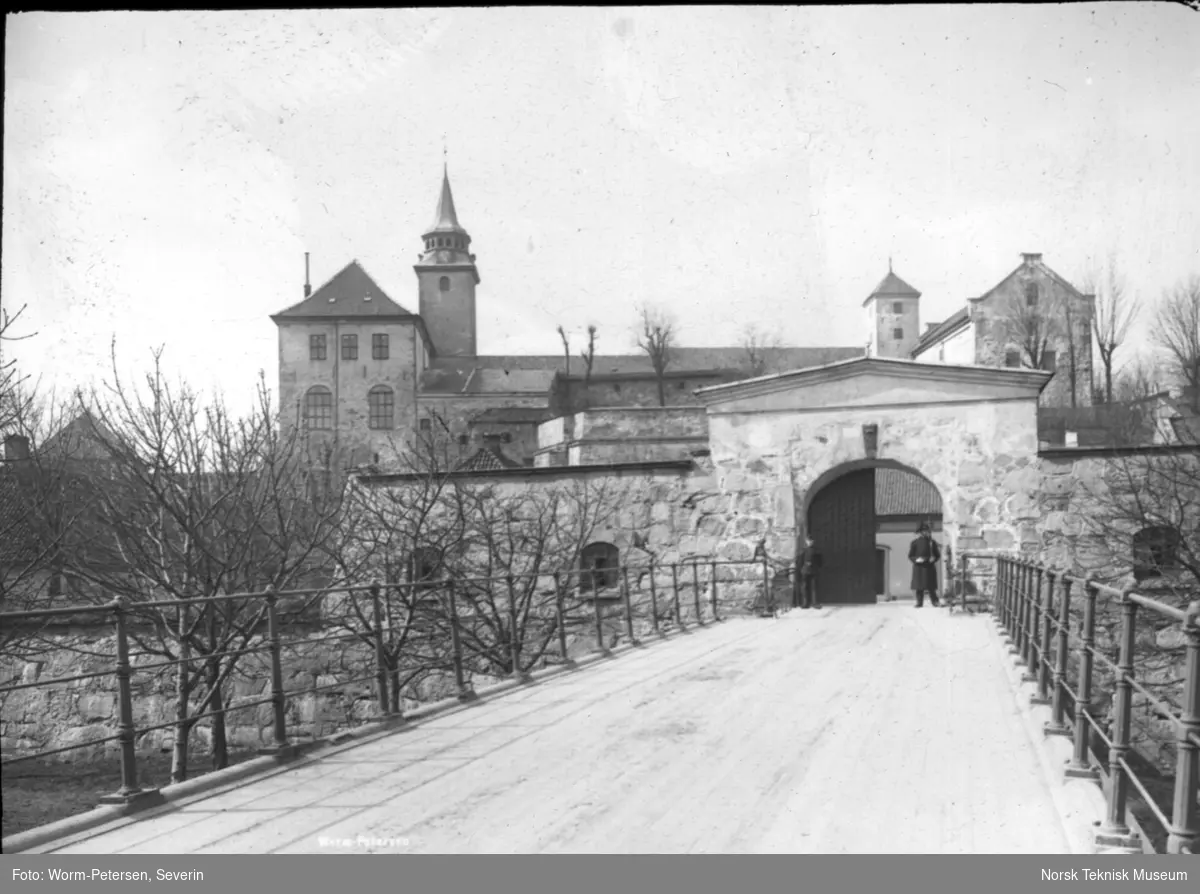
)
(924, 554)
(808, 563)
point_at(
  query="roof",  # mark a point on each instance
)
(1042, 266)
(943, 328)
(488, 459)
(446, 218)
(350, 293)
(905, 493)
(894, 285)
(511, 415)
(498, 373)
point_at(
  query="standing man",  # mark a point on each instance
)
(924, 554)
(808, 563)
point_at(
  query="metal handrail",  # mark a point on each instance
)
(1033, 607)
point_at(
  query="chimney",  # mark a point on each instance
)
(1030, 257)
(307, 286)
(16, 448)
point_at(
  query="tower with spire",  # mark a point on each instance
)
(893, 317)
(447, 277)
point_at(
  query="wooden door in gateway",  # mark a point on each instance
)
(841, 518)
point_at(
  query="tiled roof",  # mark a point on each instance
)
(894, 285)
(491, 373)
(512, 415)
(903, 493)
(947, 325)
(488, 459)
(351, 293)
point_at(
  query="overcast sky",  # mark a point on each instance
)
(165, 172)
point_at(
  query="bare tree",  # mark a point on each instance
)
(1033, 324)
(758, 344)
(589, 355)
(1114, 311)
(1175, 330)
(195, 504)
(12, 395)
(656, 336)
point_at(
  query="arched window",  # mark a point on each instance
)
(1031, 294)
(381, 404)
(1154, 549)
(318, 408)
(444, 284)
(598, 566)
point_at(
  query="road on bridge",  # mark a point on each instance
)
(874, 729)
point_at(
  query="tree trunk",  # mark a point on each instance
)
(183, 727)
(1107, 378)
(220, 745)
(662, 392)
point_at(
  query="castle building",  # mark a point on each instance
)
(360, 371)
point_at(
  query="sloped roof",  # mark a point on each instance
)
(903, 493)
(488, 459)
(894, 285)
(350, 293)
(943, 328)
(491, 373)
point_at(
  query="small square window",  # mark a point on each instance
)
(1012, 359)
(898, 334)
(1049, 361)
(425, 424)
(379, 346)
(316, 347)
(349, 347)
(897, 307)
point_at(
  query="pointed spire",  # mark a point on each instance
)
(446, 219)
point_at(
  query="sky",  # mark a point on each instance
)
(165, 172)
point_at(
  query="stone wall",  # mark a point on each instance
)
(623, 435)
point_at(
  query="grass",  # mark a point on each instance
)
(40, 792)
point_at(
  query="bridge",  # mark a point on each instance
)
(845, 729)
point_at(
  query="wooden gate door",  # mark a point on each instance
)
(841, 518)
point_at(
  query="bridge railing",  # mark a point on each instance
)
(1050, 619)
(256, 670)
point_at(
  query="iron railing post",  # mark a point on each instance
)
(465, 691)
(514, 641)
(962, 561)
(713, 590)
(1116, 831)
(381, 668)
(1032, 642)
(628, 605)
(1080, 766)
(560, 618)
(1057, 727)
(1047, 612)
(598, 612)
(696, 592)
(1004, 582)
(1016, 571)
(675, 596)
(1027, 599)
(129, 790)
(654, 600)
(1184, 832)
(766, 582)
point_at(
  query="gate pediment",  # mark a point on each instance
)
(873, 381)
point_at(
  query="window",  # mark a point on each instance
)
(1154, 549)
(599, 565)
(381, 404)
(316, 347)
(444, 284)
(349, 347)
(681, 386)
(1012, 359)
(1031, 294)
(425, 424)
(898, 334)
(318, 408)
(424, 564)
(897, 307)
(379, 346)
(1049, 361)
